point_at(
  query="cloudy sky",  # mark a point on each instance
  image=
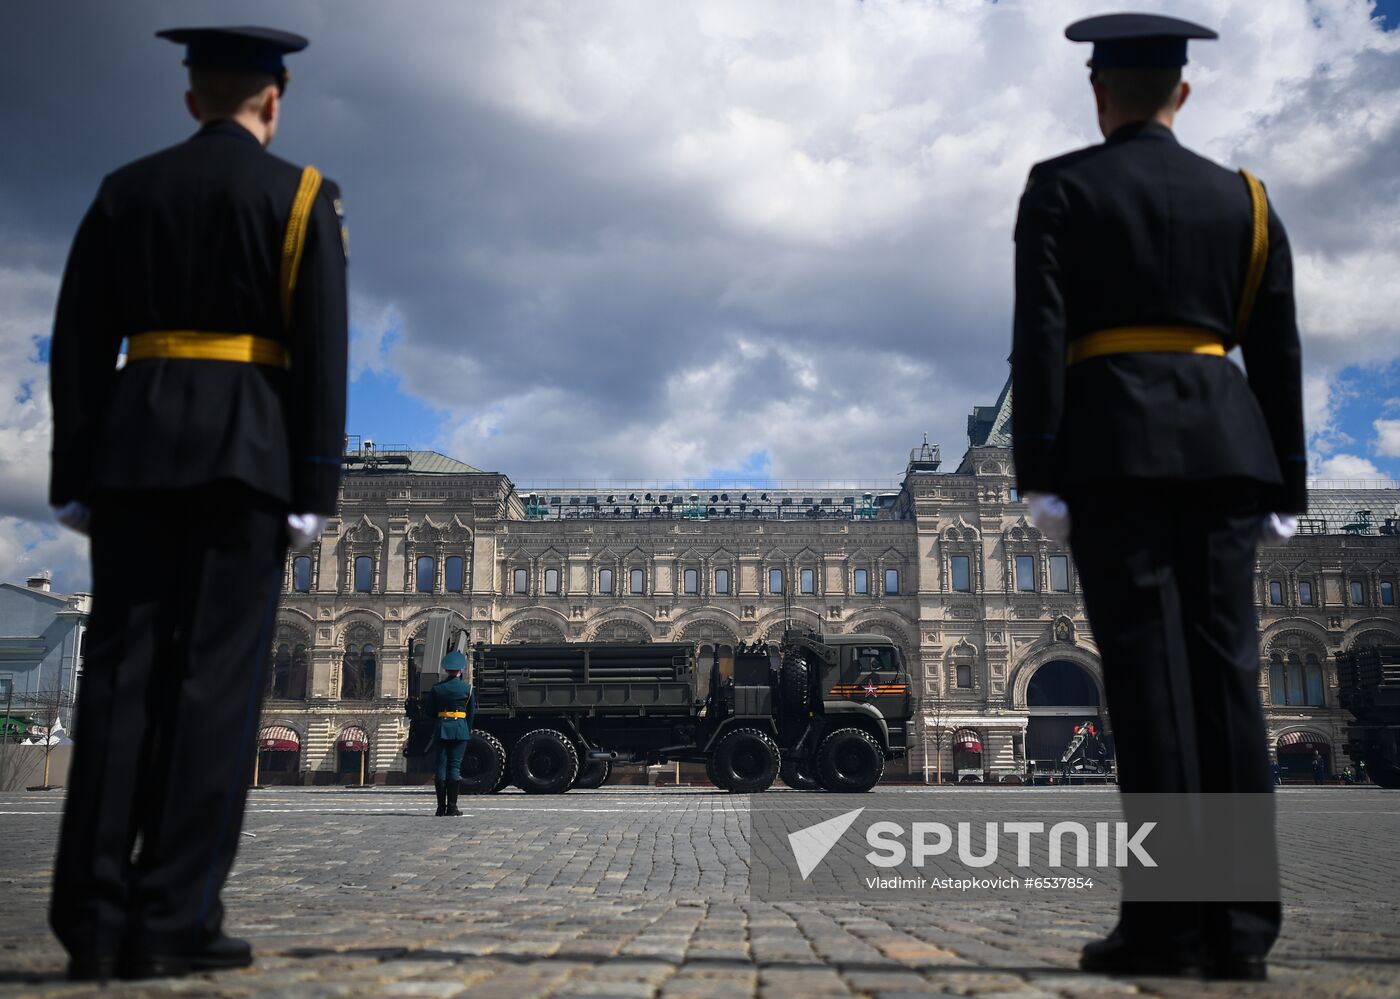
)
(698, 239)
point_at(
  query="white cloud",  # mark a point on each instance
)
(26, 423)
(1387, 438)
(1347, 466)
(27, 547)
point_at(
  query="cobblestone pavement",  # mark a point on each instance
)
(643, 893)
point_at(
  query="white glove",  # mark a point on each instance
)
(304, 528)
(1050, 514)
(1278, 528)
(75, 516)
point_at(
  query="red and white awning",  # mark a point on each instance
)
(353, 739)
(1300, 742)
(967, 741)
(279, 739)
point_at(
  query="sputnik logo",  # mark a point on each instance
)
(811, 845)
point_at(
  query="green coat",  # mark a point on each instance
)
(453, 695)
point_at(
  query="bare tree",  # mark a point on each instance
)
(937, 728)
(49, 705)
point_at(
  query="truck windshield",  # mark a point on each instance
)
(875, 659)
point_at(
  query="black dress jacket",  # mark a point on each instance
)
(191, 239)
(1140, 231)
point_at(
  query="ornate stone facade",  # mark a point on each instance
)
(986, 609)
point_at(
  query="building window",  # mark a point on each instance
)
(301, 574)
(1305, 593)
(359, 668)
(964, 675)
(638, 582)
(521, 581)
(1358, 593)
(1388, 593)
(1025, 573)
(290, 666)
(1059, 573)
(453, 580)
(1275, 593)
(605, 581)
(775, 581)
(1295, 682)
(551, 580)
(1015, 495)
(807, 580)
(962, 573)
(692, 581)
(892, 581)
(364, 574)
(721, 580)
(425, 575)
(862, 581)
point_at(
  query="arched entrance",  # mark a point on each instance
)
(352, 754)
(1060, 698)
(967, 755)
(1296, 755)
(279, 751)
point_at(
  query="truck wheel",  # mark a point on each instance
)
(745, 761)
(593, 773)
(714, 777)
(503, 781)
(483, 764)
(796, 692)
(798, 776)
(544, 762)
(849, 761)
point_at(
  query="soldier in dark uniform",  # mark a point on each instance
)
(453, 703)
(1139, 265)
(222, 267)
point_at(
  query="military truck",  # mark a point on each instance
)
(1369, 687)
(819, 712)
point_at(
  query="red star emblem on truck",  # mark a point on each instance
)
(871, 688)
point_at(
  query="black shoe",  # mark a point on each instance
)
(452, 789)
(92, 969)
(1239, 968)
(441, 787)
(1115, 956)
(219, 954)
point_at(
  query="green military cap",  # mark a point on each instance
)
(454, 662)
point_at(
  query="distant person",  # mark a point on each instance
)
(1139, 265)
(453, 703)
(1319, 767)
(222, 267)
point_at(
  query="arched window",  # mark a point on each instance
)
(638, 581)
(862, 581)
(290, 665)
(807, 580)
(301, 574)
(775, 581)
(452, 574)
(364, 574)
(1312, 678)
(521, 580)
(551, 580)
(426, 570)
(1293, 673)
(359, 668)
(892, 581)
(692, 581)
(605, 581)
(721, 580)
(1278, 684)
(1358, 593)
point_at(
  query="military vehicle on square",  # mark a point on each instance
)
(818, 712)
(1369, 687)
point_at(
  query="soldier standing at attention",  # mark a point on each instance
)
(223, 269)
(1139, 265)
(453, 703)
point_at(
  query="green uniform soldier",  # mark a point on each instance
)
(453, 703)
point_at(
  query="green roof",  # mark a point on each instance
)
(418, 463)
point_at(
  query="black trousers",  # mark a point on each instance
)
(185, 586)
(1167, 571)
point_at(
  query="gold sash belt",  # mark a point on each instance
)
(1145, 339)
(200, 346)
